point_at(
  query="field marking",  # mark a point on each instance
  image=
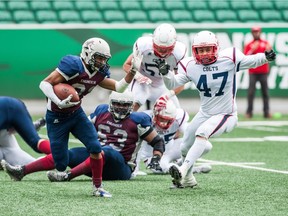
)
(252, 139)
(242, 165)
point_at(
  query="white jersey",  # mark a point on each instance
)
(144, 46)
(216, 82)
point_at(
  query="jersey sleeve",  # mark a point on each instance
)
(143, 121)
(68, 67)
(244, 62)
(102, 108)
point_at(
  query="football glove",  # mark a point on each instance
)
(66, 103)
(142, 79)
(162, 65)
(270, 55)
(136, 61)
(154, 164)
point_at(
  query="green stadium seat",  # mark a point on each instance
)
(204, 16)
(285, 15)
(219, 5)
(136, 16)
(226, 16)
(152, 5)
(46, 16)
(281, 4)
(248, 16)
(112, 16)
(271, 16)
(40, 5)
(6, 17)
(261, 5)
(130, 5)
(172, 5)
(158, 16)
(196, 5)
(17, 5)
(181, 16)
(63, 5)
(2, 6)
(69, 16)
(107, 5)
(90, 16)
(241, 5)
(24, 16)
(85, 5)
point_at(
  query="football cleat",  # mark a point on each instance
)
(100, 192)
(187, 182)
(39, 123)
(55, 176)
(15, 172)
(205, 168)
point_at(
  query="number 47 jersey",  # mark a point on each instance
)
(216, 82)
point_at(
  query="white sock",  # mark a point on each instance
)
(193, 154)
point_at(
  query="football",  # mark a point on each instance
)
(63, 90)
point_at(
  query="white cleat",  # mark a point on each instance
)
(100, 192)
(204, 168)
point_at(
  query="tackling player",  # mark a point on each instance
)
(214, 75)
(147, 51)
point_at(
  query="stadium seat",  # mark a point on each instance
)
(107, 5)
(152, 5)
(130, 5)
(85, 5)
(196, 5)
(17, 5)
(248, 16)
(111, 16)
(6, 17)
(219, 5)
(46, 16)
(63, 5)
(69, 16)
(2, 6)
(40, 5)
(136, 16)
(281, 4)
(90, 16)
(181, 16)
(172, 5)
(204, 16)
(261, 5)
(226, 16)
(24, 16)
(158, 16)
(285, 15)
(241, 5)
(271, 16)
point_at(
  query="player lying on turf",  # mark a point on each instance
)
(14, 117)
(120, 133)
(170, 123)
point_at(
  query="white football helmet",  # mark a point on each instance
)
(164, 115)
(164, 40)
(121, 104)
(205, 39)
(95, 53)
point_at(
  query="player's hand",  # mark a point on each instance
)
(270, 55)
(162, 65)
(142, 79)
(66, 103)
(136, 61)
(154, 165)
(161, 101)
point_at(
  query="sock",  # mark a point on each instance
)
(45, 163)
(193, 154)
(82, 168)
(44, 146)
(97, 169)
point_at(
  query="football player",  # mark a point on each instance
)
(147, 51)
(214, 75)
(63, 116)
(120, 134)
(170, 123)
(16, 118)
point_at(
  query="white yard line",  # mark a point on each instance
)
(242, 165)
